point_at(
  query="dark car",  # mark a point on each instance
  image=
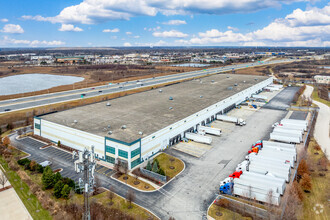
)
(7, 109)
(100, 91)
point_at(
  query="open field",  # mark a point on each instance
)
(96, 75)
(316, 97)
(320, 192)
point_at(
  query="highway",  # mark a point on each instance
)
(52, 98)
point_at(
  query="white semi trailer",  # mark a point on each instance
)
(198, 138)
(299, 136)
(294, 125)
(278, 155)
(288, 131)
(237, 121)
(209, 130)
(290, 126)
(283, 145)
(256, 193)
(282, 166)
(253, 156)
(271, 147)
(257, 184)
(263, 169)
(294, 121)
(284, 138)
(266, 179)
(280, 151)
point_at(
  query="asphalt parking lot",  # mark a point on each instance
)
(59, 158)
(282, 100)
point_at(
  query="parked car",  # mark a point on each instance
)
(45, 163)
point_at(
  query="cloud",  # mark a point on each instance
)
(175, 22)
(34, 43)
(156, 44)
(4, 20)
(97, 11)
(128, 33)
(232, 28)
(69, 27)
(171, 33)
(136, 37)
(12, 29)
(116, 30)
(127, 44)
(293, 30)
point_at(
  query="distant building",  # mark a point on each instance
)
(71, 60)
(322, 79)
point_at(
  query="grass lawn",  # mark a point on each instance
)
(166, 164)
(141, 186)
(30, 201)
(226, 213)
(320, 189)
(316, 97)
(118, 202)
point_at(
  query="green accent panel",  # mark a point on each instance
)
(135, 152)
(135, 163)
(122, 153)
(111, 150)
(110, 159)
(123, 142)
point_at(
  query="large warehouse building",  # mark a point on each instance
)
(134, 127)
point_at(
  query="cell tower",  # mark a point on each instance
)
(86, 165)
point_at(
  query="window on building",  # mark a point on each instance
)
(135, 163)
(110, 159)
(122, 153)
(37, 126)
(135, 152)
(111, 150)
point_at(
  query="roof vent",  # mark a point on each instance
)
(235, 84)
(109, 132)
(171, 98)
(227, 76)
(75, 121)
(256, 79)
(109, 126)
(123, 127)
(105, 129)
(140, 133)
(200, 96)
(160, 91)
(230, 88)
(108, 104)
(212, 81)
(170, 108)
(244, 81)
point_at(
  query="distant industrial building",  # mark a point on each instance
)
(135, 127)
(70, 60)
(320, 79)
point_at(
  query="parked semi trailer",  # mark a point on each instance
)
(237, 121)
(210, 130)
(257, 184)
(290, 126)
(271, 167)
(294, 125)
(198, 138)
(278, 155)
(272, 147)
(280, 151)
(288, 135)
(263, 169)
(281, 166)
(294, 121)
(251, 157)
(256, 193)
(284, 138)
(266, 179)
(288, 131)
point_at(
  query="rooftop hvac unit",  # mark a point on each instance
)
(255, 79)
(75, 121)
(212, 81)
(108, 104)
(201, 96)
(109, 126)
(244, 81)
(235, 84)
(227, 76)
(160, 91)
(105, 129)
(230, 88)
(140, 133)
(123, 127)
(170, 108)
(171, 98)
(109, 132)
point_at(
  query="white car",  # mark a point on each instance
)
(46, 163)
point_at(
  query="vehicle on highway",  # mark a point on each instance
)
(7, 109)
(93, 88)
(45, 163)
(120, 87)
(83, 94)
(100, 91)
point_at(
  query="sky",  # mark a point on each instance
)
(131, 23)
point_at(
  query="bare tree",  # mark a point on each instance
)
(130, 196)
(111, 194)
(270, 203)
(3, 178)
